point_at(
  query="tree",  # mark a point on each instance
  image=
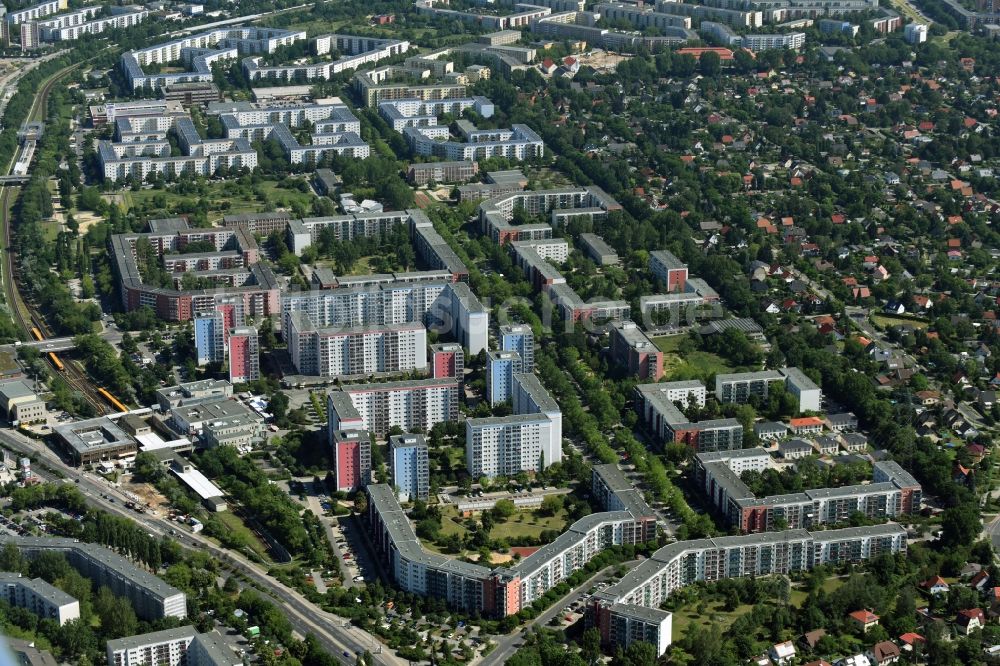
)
(504, 509)
(960, 525)
(710, 64)
(551, 505)
(360, 502)
(590, 645)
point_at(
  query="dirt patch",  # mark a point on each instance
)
(421, 200)
(602, 61)
(149, 495)
(501, 558)
(86, 219)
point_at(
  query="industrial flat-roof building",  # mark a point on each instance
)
(95, 440)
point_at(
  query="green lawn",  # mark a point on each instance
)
(693, 365)
(688, 618)
(527, 524)
(887, 321)
(224, 198)
(236, 525)
(798, 596)
(522, 524)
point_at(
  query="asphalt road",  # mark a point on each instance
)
(508, 644)
(335, 634)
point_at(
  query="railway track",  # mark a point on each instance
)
(23, 315)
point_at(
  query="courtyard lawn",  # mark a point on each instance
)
(224, 198)
(527, 524)
(693, 365)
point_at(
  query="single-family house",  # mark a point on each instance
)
(863, 619)
(935, 585)
(782, 653)
(969, 620)
(884, 653)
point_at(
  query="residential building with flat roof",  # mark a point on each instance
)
(352, 459)
(597, 249)
(631, 349)
(500, 369)
(163, 648)
(356, 350)
(150, 596)
(530, 439)
(892, 493)
(410, 467)
(739, 386)
(661, 415)
(521, 339)
(674, 566)
(39, 598)
(669, 270)
(410, 405)
(806, 391)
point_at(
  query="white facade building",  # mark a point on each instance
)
(356, 350)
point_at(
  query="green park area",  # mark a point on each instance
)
(679, 365)
(216, 199)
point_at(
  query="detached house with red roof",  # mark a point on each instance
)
(935, 585)
(970, 620)
(863, 619)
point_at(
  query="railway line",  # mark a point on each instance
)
(29, 321)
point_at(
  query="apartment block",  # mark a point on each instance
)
(616, 493)
(352, 459)
(355, 350)
(528, 440)
(501, 366)
(334, 129)
(410, 405)
(199, 52)
(403, 113)
(598, 250)
(84, 21)
(519, 338)
(39, 598)
(162, 648)
(809, 395)
(683, 563)
(145, 151)
(35, 12)
(738, 387)
(447, 360)
(667, 422)
(410, 467)
(669, 270)
(498, 592)
(892, 493)
(422, 173)
(212, 327)
(244, 355)
(520, 142)
(448, 306)
(631, 349)
(355, 51)
(151, 598)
